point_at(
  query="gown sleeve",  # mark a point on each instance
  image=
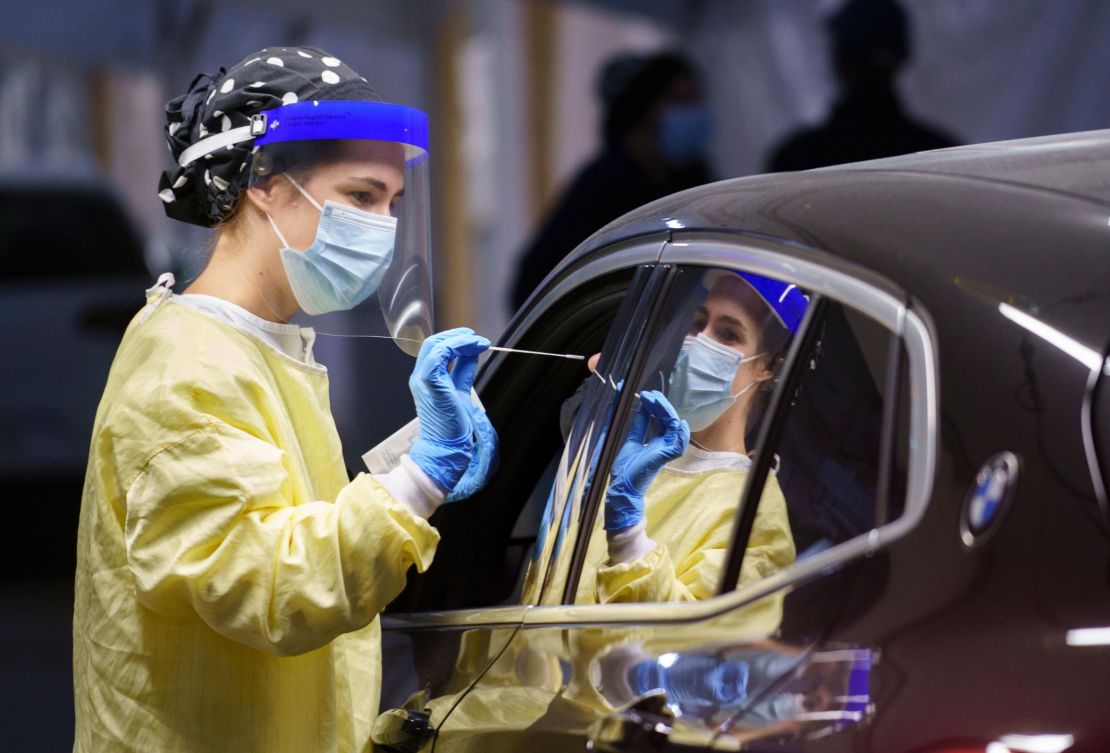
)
(211, 530)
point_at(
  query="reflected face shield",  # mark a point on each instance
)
(368, 160)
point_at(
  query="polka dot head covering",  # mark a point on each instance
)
(206, 189)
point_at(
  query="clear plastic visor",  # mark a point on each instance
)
(385, 176)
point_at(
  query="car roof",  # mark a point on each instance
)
(1071, 164)
(1024, 220)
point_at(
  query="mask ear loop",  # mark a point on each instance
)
(304, 193)
(743, 361)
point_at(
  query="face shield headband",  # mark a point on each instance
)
(323, 119)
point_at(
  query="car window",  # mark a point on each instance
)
(51, 233)
(662, 534)
(488, 553)
(833, 467)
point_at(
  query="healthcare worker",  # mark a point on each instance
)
(671, 501)
(230, 574)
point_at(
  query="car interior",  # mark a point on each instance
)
(496, 530)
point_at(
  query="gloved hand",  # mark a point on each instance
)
(637, 464)
(445, 445)
(483, 462)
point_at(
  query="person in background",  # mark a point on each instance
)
(229, 572)
(656, 132)
(870, 45)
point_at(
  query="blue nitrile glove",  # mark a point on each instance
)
(483, 463)
(637, 464)
(445, 444)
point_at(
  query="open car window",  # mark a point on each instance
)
(494, 548)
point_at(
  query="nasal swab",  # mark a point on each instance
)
(571, 356)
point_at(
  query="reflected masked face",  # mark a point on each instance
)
(721, 359)
(727, 318)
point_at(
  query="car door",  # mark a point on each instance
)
(451, 622)
(758, 563)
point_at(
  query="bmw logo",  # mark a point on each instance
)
(988, 500)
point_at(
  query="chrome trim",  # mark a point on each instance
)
(625, 255)
(1087, 427)
(924, 434)
(462, 619)
(829, 276)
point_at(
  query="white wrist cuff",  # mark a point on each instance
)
(630, 544)
(412, 487)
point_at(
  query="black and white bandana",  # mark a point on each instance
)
(207, 128)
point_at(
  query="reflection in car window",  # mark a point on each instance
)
(722, 345)
(836, 469)
(585, 419)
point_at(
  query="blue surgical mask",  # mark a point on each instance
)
(684, 132)
(701, 382)
(346, 261)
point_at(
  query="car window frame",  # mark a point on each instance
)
(820, 273)
(840, 282)
(622, 351)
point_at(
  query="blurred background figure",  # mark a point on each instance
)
(870, 44)
(655, 130)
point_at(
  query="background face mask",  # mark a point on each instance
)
(701, 382)
(346, 261)
(684, 132)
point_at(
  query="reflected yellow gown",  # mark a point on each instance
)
(690, 509)
(229, 572)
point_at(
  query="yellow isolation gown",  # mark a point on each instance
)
(690, 509)
(229, 572)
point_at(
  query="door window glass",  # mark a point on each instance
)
(663, 529)
(585, 419)
(831, 452)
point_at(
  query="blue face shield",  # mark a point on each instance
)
(684, 132)
(345, 263)
(701, 382)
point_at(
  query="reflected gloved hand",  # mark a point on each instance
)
(483, 462)
(445, 446)
(638, 463)
(695, 682)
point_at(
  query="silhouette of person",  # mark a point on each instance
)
(656, 130)
(870, 44)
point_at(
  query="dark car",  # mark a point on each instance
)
(913, 557)
(72, 274)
